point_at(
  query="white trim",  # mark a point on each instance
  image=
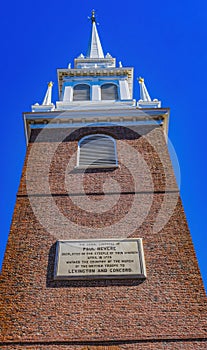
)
(96, 166)
(89, 105)
(124, 90)
(68, 93)
(111, 113)
(96, 93)
(81, 83)
(94, 123)
(106, 115)
(111, 82)
(150, 104)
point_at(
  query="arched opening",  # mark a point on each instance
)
(81, 92)
(109, 92)
(97, 151)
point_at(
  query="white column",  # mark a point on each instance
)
(96, 93)
(68, 94)
(124, 90)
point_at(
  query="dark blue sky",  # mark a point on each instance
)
(164, 41)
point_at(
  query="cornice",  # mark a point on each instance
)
(102, 117)
(94, 72)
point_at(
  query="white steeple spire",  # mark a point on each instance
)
(94, 49)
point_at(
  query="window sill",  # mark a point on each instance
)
(107, 166)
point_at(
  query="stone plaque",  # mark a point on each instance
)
(98, 259)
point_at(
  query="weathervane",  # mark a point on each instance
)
(93, 17)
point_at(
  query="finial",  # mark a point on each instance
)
(94, 48)
(48, 95)
(47, 104)
(93, 18)
(145, 99)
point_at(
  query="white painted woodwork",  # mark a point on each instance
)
(96, 93)
(68, 94)
(124, 90)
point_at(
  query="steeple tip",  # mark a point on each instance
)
(93, 17)
(95, 57)
(95, 49)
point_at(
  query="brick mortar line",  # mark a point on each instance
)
(92, 194)
(103, 342)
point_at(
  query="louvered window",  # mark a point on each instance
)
(97, 151)
(109, 92)
(81, 92)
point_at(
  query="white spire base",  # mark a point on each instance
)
(152, 104)
(43, 108)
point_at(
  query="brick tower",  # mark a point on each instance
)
(99, 254)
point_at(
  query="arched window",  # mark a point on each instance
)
(81, 92)
(97, 151)
(109, 92)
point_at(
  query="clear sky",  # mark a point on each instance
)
(165, 41)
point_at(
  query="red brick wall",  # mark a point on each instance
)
(167, 309)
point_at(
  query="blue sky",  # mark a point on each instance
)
(164, 41)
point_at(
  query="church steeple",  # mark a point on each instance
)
(96, 81)
(94, 49)
(97, 194)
